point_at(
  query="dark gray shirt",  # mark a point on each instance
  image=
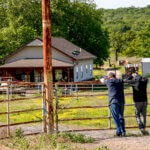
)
(115, 90)
(139, 85)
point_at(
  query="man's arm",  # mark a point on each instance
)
(131, 82)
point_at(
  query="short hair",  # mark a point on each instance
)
(111, 75)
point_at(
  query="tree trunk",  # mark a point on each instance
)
(116, 55)
(96, 65)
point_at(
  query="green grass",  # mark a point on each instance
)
(94, 112)
(71, 113)
(97, 73)
(22, 105)
(60, 141)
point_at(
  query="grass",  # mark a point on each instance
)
(71, 113)
(22, 105)
(60, 141)
(72, 102)
(94, 112)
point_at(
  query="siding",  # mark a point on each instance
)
(35, 43)
(37, 52)
(146, 68)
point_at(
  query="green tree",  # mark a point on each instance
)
(21, 24)
(140, 43)
(80, 23)
(116, 42)
(76, 20)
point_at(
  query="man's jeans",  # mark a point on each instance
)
(117, 111)
(140, 108)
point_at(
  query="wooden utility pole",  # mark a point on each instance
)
(47, 54)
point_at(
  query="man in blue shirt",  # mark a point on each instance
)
(116, 101)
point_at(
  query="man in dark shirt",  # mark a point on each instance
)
(139, 85)
(116, 101)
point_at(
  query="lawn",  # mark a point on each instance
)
(94, 112)
(71, 113)
(21, 105)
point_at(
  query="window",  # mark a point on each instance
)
(91, 70)
(86, 68)
(77, 73)
(81, 72)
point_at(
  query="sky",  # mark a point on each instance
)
(113, 4)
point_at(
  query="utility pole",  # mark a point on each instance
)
(47, 54)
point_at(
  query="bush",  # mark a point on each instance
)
(19, 133)
(77, 138)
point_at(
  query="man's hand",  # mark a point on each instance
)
(102, 80)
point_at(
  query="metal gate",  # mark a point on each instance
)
(69, 99)
(21, 106)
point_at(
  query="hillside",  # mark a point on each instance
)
(129, 31)
(123, 19)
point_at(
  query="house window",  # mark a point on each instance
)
(81, 72)
(77, 73)
(91, 70)
(86, 68)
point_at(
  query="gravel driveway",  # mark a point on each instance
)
(133, 140)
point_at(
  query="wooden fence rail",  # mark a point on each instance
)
(8, 94)
(61, 90)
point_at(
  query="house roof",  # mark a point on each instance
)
(64, 46)
(34, 63)
(145, 60)
(67, 47)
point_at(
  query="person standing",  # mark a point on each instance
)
(116, 101)
(139, 86)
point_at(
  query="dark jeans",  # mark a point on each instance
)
(117, 111)
(140, 109)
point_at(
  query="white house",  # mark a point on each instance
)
(145, 66)
(26, 63)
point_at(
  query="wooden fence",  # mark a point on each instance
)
(86, 89)
(9, 89)
(61, 90)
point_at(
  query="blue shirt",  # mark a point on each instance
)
(115, 90)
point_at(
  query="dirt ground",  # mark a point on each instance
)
(133, 141)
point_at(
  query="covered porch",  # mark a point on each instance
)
(31, 70)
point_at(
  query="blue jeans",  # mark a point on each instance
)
(117, 111)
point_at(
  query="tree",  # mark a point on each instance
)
(116, 42)
(21, 24)
(140, 44)
(80, 23)
(76, 20)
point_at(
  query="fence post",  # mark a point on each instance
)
(92, 88)
(43, 110)
(65, 90)
(77, 91)
(8, 117)
(56, 107)
(109, 115)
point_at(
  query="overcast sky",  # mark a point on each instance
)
(113, 4)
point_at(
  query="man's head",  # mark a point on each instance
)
(111, 75)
